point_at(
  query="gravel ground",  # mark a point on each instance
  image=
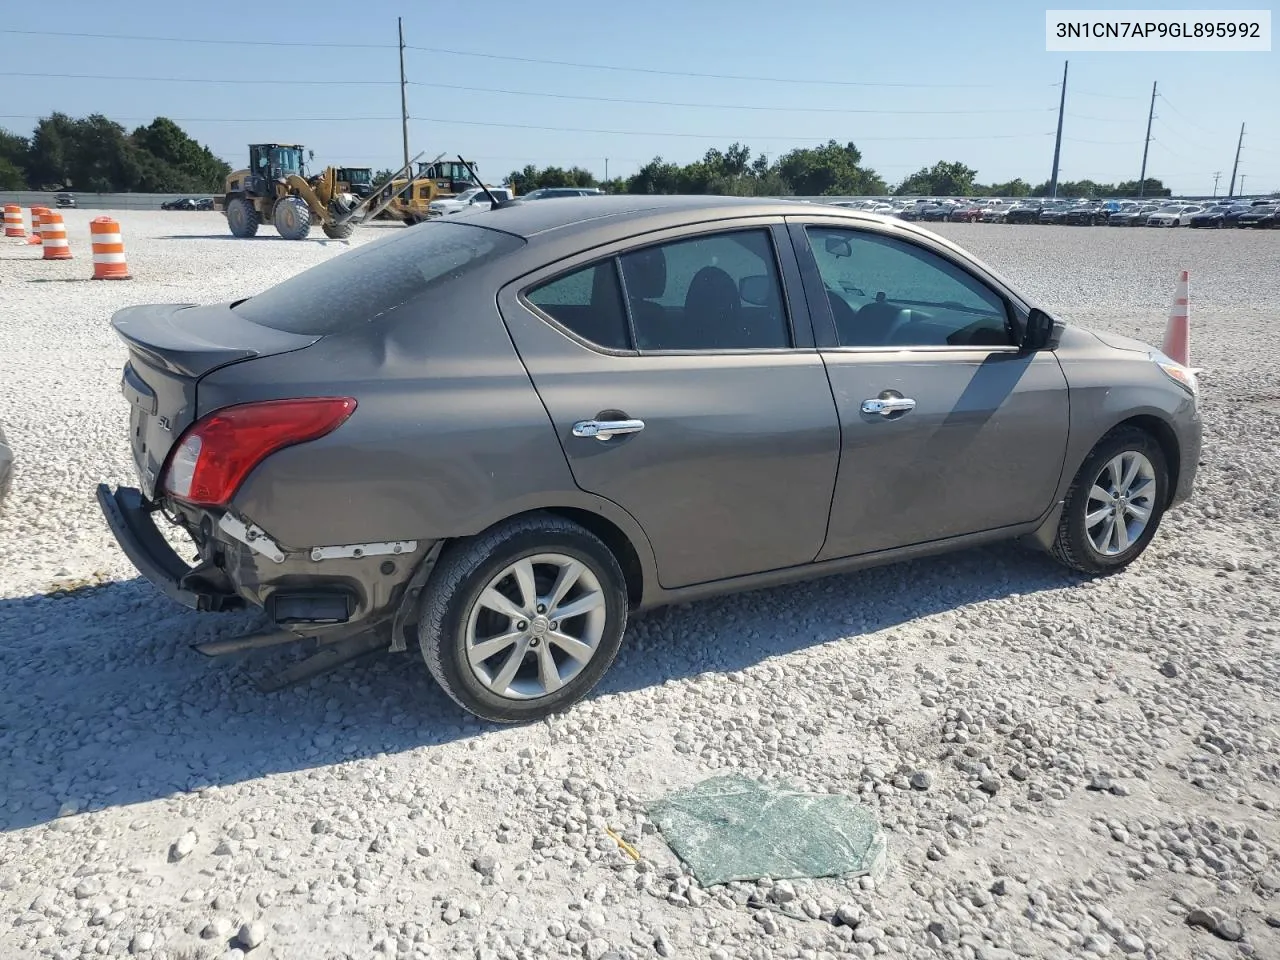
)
(1065, 768)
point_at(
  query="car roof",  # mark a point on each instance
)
(591, 212)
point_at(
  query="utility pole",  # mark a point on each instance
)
(404, 100)
(1217, 174)
(1242, 176)
(1236, 165)
(1057, 144)
(606, 169)
(1146, 144)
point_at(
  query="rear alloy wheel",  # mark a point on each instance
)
(292, 218)
(521, 621)
(1115, 503)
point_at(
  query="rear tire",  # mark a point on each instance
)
(1089, 538)
(242, 218)
(292, 218)
(529, 673)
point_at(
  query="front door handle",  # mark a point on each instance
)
(888, 405)
(606, 429)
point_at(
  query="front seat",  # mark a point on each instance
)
(645, 274)
(875, 322)
(712, 312)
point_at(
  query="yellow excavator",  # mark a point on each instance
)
(276, 189)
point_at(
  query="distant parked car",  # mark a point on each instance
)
(6, 467)
(64, 200)
(182, 203)
(1085, 214)
(966, 210)
(1173, 215)
(1262, 217)
(546, 193)
(451, 205)
(1025, 212)
(496, 435)
(204, 203)
(1131, 216)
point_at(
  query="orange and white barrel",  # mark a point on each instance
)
(34, 239)
(53, 234)
(108, 250)
(13, 223)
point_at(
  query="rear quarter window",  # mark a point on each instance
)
(373, 279)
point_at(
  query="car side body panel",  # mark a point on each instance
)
(448, 437)
(733, 471)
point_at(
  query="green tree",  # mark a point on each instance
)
(943, 179)
(829, 170)
(1012, 188)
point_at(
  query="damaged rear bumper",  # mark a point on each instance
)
(311, 591)
(131, 519)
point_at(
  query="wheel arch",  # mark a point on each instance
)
(1164, 435)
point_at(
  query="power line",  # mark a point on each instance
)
(505, 57)
(712, 106)
(705, 76)
(218, 80)
(519, 93)
(707, 136)
(224, 41)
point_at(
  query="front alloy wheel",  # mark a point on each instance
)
(1114, 504)
(524, 619)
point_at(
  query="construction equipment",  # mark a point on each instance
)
(357, 181)
(436, 180)
(275, 188)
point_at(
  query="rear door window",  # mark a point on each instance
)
(375, 278)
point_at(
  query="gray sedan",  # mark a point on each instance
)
(497, 435)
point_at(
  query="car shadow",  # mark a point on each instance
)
(226, 236)
(87, 725)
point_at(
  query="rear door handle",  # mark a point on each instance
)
(606, 429)
(886, 406)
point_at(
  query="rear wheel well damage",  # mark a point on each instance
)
(608, 532)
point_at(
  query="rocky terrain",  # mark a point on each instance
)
(1064, 767)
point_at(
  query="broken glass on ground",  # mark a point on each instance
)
(732, 828)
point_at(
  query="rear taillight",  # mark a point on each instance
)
(216, 453)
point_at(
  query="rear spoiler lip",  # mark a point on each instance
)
(152, 331)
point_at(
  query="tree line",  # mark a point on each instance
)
(98, 155)
(832, 170)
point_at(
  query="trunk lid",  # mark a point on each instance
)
(171, 346)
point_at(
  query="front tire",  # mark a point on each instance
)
(1115, 503)
(521, 621)
(292, 218)
(242, 218)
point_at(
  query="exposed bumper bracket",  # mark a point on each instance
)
(409, 599)
(129, 515)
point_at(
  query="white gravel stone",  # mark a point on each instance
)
(363, 808)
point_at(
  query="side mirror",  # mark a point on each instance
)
(839, 247)
(755, 290)
(1040, 332)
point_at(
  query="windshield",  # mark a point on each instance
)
(359, 176)
(288, 159)
(375, 278)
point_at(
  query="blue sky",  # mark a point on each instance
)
(950, 83)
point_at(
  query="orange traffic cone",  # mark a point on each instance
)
(34, 239)
(108, 250)
(1177, 334)
(53, 234)
(13, 225)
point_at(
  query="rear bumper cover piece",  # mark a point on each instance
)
(130, 518)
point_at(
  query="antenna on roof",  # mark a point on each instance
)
(494, 201)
